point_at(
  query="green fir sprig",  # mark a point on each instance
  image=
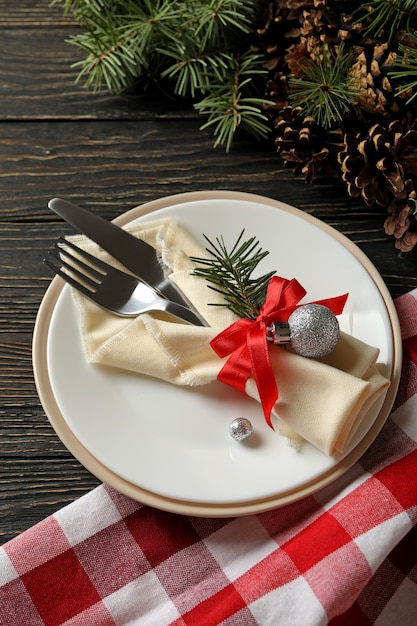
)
(406, 70)
(230, 273)
(324, 89)
(388, 16)
(198, 49)
(228, 108)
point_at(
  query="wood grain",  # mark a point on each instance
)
(110, 154)
(31, 13)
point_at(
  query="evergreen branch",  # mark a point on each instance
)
(201, 47)
(389, 16)
(406, 63)
(227, 115)
(228, 108)
(325, 90)
(151, 24)
(230, 274)
(119, 45)
(105, 62)
(215, 19)
(196, 73)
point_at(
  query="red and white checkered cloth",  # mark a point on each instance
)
(345, 556)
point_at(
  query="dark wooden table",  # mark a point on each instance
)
(109, 154)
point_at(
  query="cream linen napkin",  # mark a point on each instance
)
(323, 401)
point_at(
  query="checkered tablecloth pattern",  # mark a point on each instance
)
(346, 556)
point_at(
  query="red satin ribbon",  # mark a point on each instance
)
(246, 343)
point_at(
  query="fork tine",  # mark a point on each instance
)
(57, 268)
(90, 277)
(98, 264)
(88, 270)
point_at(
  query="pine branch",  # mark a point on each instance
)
(230, 274)
(406, 63)
(200, 47)
(389, 16)
(119, 42)
(229, 106)
(325, 90)
(195, 74)
(132, 35)
(215, 20)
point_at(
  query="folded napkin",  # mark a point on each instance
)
(323, 401)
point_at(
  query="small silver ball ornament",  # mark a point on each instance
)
(240, 429)
(314, 330)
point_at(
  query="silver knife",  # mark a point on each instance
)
(136, 255)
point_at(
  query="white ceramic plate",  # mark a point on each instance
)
(169, 446)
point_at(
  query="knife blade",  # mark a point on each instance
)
(135, 254)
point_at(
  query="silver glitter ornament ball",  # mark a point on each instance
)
(314, 330)
(240, 429)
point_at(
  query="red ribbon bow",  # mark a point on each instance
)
(246, 343)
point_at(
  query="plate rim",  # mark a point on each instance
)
(212, 509)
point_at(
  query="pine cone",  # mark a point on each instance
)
(401, 222)
(277, 23)
(329, 21)
(320, 22)
(377, 157)
(371, 75)
(376, 164)
(306, 146)
(297, 54)
(278, 28)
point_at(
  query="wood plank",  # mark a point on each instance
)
(37, 81)
(114, 166)
(32, 13)
(26, 497)
(111, 167)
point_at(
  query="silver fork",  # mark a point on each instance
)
(107, 286)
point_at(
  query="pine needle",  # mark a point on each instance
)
(230, 273)
(198, 49)
(388, 16)
(406, 70)
(325, 90)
